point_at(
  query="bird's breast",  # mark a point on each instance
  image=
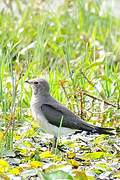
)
(41, 119)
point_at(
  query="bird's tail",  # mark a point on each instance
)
(101, 130)
(94, 129)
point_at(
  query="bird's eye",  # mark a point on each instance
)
(35, 82)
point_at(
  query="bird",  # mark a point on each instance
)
(53, 116)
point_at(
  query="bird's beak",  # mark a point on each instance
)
(27, 81)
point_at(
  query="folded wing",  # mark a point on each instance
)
(59, 115)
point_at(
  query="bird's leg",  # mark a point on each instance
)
(55, 143)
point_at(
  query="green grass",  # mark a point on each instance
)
(72, 48)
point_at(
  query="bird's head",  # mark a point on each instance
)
(39, 86)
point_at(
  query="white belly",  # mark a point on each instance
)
(54, 130)
(60, 131)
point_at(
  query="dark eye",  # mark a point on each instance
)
(35, 82)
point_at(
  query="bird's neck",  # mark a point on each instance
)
(39, 98)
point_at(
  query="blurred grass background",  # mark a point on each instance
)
(75, 47)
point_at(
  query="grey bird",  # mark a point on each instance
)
(53, 116)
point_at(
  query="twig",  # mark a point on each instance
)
(90, 83)
(12, 117)
(99, 99)
(8, 126)
(81, 103)
(62, 82)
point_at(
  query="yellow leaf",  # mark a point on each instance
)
(4, 177)
(55, 166)
(24, 151)
(74, 162)
(70, 154)
(17, 137)
(28, 144)
(30, 132)
(3, 166)
(9, 85)
(79, 175)
(96, 155)
(15, 171)
(17, 68)
(46, 154)
(1, 135)
(35, 164)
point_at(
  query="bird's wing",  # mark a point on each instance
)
(60, 116)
